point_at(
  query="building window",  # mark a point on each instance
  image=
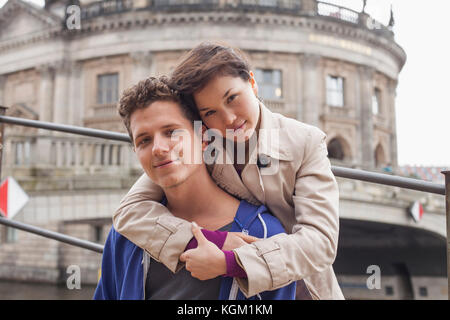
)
(98, 234)
(389, 290)
(269, 84)
(8, 235)
(22, 153)
(376, 101)
(335, 150)
(423, 291)
(107, 88)
(267, 3)
(335, 91)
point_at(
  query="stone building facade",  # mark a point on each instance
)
(322, 64)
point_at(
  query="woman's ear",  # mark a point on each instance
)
(253, 83)
(205, 137)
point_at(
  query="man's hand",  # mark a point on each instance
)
(237, 239)
(206, 261)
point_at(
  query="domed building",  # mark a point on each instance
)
(69, 62)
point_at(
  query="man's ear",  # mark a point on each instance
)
(253, 83)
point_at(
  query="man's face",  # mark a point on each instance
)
(164, 143)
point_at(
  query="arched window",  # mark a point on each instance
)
(380, 157)
(335, 150)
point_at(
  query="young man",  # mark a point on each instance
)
(165, 142)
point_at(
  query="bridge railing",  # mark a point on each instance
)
(356, 174)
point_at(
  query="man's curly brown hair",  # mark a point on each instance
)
(144, 93)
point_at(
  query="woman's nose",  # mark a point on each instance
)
(229, 118)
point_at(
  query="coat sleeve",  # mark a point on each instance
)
(150, 225)
(312, 246)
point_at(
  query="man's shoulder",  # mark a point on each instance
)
(119, 241)
(258, 220)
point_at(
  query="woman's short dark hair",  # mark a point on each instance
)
(205, 62)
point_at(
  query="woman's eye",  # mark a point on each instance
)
(210, 112)
(231, 98)
(170, 132)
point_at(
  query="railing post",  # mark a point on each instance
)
(447, 216)
(2, 113)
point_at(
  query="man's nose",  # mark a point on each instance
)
(160, 146)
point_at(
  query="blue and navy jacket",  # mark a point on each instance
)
(124, 271)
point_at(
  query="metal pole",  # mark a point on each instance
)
(447, 211)
(387, 179)
(2, 112)
(67, 128)
(53, 235)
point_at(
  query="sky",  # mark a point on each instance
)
(423, 99)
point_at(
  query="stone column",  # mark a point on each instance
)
(61, 92)
(392, 86)
(309, 7)
(46, 93)
(2, 89)
(311, 92)
(76, 95)
(143, 66)
(42, 157)
(366, 115)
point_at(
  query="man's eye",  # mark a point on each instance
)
(231, 98)
(210, 112)
(144, 141)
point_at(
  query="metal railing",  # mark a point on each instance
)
(356, 174)
(102, 8)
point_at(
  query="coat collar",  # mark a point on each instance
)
(272, 140)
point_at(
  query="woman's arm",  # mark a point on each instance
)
(311, 248)
(150, 225)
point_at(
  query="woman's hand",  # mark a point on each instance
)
(206, 261)
(237, 239)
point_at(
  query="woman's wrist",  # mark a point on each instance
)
(234, 270)
(217, 237)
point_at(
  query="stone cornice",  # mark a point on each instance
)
(12, 6)
(139, 20)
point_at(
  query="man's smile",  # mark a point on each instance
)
(164, 164)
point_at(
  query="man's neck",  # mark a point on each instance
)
(199, 199)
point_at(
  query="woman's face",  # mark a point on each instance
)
(229, 105)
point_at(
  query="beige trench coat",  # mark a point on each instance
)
(303, 194)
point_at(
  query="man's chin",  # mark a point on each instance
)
(173, 183)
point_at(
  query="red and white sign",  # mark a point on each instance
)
(12, 198)
(416, 211)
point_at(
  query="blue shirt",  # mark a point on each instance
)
(123, 270)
